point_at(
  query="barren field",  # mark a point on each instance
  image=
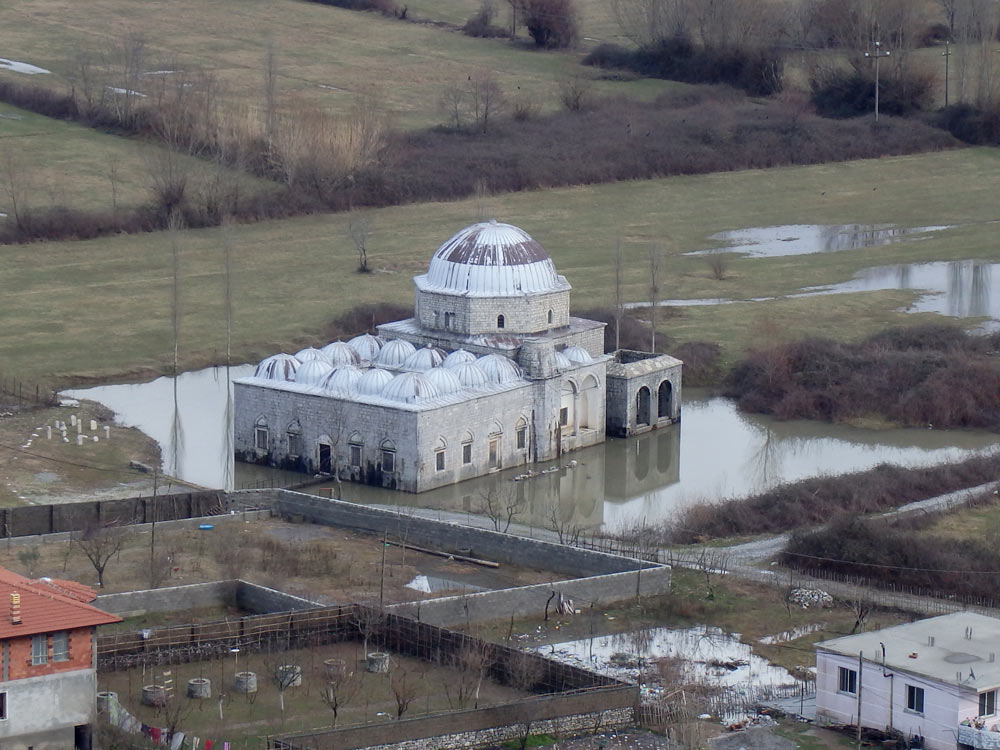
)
(323, 564)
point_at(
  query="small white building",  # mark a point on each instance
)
(935, 678)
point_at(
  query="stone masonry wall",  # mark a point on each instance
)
(249, 597)
(477, 315)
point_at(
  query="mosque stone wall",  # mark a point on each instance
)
(476, 315)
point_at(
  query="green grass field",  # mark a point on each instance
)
(101, 308)
(62, 163)
(326, 55)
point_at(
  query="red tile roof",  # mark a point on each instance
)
(47, 605)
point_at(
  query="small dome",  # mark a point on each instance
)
(308, 355)
(458, 357)
(313, 371)
(470, 375)
(423, 359)
(577, 355)
(498, 368)
(394, 353)
(491, 259)
(561, 362)
(340, 353)
(277, 367)
(373, 381)
(367, 346)
(446, 381)
(342, 380)
(409, 387)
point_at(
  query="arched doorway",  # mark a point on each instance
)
(589, 403)
(664, 400)
(642, 400)
(567, 408)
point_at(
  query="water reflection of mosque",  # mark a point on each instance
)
(571, 492)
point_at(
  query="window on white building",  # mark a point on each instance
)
(439, 460)
(466, 453)
(60, 646)
(988, 703)
(848, 681)
(915, 699)
(260, 434)
(388, 456)
(39, 649)
(521, 434)
(3, 706)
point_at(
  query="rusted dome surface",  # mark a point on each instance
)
(373, 381)
(409, 387)
(491, 259)
(340, 353)
(277, 367)
(367, 346)
(342, 380)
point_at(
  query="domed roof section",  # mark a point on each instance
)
(313, 371)
(470, 375)
(373, 381)
(577, 355)
(277, 367)
(309, 354)
(340, 353)
(394, 353)
(491, 259)
(561, 362)
(423, 359)
(446, 381)
(367, 346)
(343, 379)
(458, 357)
(409, 387)
(498, 368)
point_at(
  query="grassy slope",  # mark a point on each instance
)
(68, 164)
(101, 308)
(408, 64)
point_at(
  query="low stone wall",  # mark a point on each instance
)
(446, 536)
(566, 714)
(530, 601)
(249, 597)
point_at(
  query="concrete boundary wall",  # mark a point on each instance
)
(249, 597)
(449, 537)
(530, 601)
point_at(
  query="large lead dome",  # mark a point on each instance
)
(491, 259)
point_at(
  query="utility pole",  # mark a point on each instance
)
(877, 54)
(861, 667)
(947, 57)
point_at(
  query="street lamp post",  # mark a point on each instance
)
(877, 54)
(947, 58)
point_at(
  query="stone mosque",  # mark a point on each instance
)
(492, 372)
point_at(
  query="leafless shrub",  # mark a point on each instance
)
(359, 228)
(471, 662)
(718, 264)
(551, 23)
(99, 543)
(575, 92)
(404, 686)
(501, 504)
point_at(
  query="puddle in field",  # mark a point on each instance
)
(434, 584)
(21, 67)
(790, 635)
(804, 239)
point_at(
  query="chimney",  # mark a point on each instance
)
(15, 608)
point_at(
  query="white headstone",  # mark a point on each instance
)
(93, 425)
(79, 439)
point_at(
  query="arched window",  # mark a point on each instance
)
(261, 435)
(521, 434)
(590, 403)
(388, 456)
(467, 448)
(294, 436)
(495, 456)
(501, 322)
(324, 450)
(567, 407)
(664, 399)
(439, 454)
(356, 446)
(642, 407)
(550, 317)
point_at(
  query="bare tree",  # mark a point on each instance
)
(718, 264)
(369, 621)
(524, 670)
(270, 102)
(100, 543)
(619, 293)
(486, 97)
(284, 676)
(566, 530)
(29, 557)
(113, 176)
(501, 504)
(17, 185)
(359, 228)
(575, 91)
(339, 691)
(454, 104)
(655, 269)
(126, 64)
(404, 688)
(647, 22)
(471, 662)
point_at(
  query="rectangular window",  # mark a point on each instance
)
(521, 437)
(60, 646)
(355, 455)
(294, 441)
(3, 706)
(988, 703)
(494, 453)
(564, 416)
(439, 460)
(39, 649)
(915, 699)
(260, 438)
(467, 453)
(848, 682)
(388, 461)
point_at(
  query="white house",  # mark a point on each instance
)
(935, 678)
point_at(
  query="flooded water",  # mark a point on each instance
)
(804, 239)
(434, 584)
(707, 656)
(715, 452)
